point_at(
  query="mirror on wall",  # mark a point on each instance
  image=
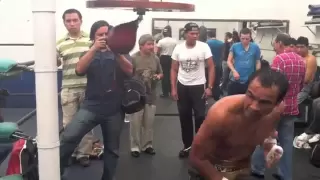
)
(263, 31)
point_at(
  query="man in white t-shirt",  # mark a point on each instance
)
(165, 48)
(188, 82)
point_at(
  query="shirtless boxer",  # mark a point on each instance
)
(235, 125)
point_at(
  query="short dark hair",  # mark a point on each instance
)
(245, 31)
(167, 31)
(70, 11)
(269, 77)
(235, 36)
(212, 34)
(229, 34)
(293, 41)
(303, 40)
(283, 38)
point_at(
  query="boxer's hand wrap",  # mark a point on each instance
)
(270, 140)
(274, 154)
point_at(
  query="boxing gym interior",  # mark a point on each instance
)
(24, 93)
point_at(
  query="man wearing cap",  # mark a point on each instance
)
(165, 48)
(188, 82)
(146, 66)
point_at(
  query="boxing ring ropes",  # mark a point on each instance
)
(46, 84)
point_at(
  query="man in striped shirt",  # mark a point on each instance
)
(69, 49)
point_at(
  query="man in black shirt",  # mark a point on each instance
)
(225, 69)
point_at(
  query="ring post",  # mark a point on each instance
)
(46, 88)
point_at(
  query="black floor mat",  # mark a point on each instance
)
(165, 165)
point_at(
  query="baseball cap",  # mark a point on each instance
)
(191, 27)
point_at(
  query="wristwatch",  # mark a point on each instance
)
(210, 87)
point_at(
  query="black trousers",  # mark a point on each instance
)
(194, 175)
(190, 99)
(165, 62)
(216, 91)
(237, 88)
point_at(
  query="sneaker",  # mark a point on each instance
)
(314, 139)
(277, 176)
(164, 95)
(184, 153)
(256, 175)
(150, 151)
(84, 161)
(306, 146)
(126, 119)
(135, 154)
(299, 141)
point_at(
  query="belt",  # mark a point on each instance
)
(222, 168)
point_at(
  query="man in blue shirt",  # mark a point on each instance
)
(216, 47)
(243, 60)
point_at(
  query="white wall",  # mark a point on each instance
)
(17, 27)
(221, 27)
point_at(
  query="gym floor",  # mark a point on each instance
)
(165, 165)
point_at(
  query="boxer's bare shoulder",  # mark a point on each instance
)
(227, 109)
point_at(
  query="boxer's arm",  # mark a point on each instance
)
(204, 145)
(275, 116)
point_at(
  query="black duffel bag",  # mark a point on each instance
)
(134, 96)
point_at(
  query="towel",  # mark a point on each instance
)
(314, 10)
(6, 65)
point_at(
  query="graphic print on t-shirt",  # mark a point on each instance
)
(189, 65)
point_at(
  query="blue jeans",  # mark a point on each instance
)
(285, 137)
(83, 122)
